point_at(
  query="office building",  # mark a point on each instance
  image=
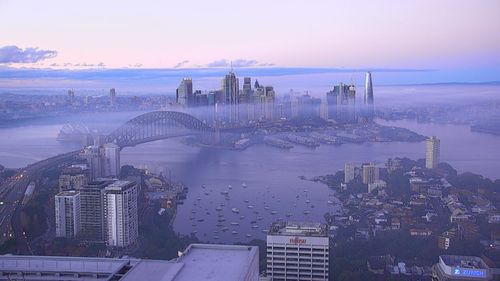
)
(342, 103)
(198, 262)
(71, 97)
(370, 173)
(92, 211)
(432, 152)
(461, 268)
(368, 105)
(67, 207)
(246, 93)
(231, 94)
(349, 175)
(120, 212)
(112, 96)
(297, 251)
(110, 160)
(184, 93)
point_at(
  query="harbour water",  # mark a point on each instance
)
(271, 175)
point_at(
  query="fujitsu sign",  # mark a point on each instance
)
(297, 240)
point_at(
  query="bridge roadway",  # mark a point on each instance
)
(11, 197)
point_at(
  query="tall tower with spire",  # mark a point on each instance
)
(368, 98)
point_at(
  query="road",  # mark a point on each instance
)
(12, 194)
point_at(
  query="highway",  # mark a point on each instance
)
(12, 194)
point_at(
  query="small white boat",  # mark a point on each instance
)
(235, 210)
(248, 235)
(234, 232)
(330, 202)
(306, 212)
(308, 201)
(250, 207)
(255, 226)
(244, 185)
(216, 237)
(274, 212)
(235, 223)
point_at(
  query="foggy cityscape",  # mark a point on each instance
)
(282, 141)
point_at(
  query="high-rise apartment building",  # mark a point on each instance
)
(432, 152)
(297, 251)
(71, 97)
(349, 169)
(92, 211)
(93, 156)
(370, 173)
(184, 93)
(121, 216)
(67, 207)
(111, 160)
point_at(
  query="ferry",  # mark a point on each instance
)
(235, 210)
(235, 223)
(250, 207)
(234, 232)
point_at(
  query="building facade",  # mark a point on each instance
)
(370, 173)
(432, 152)
(121, 215)
(92, 211)
(67, 207)
(461, 268)
(297, 251)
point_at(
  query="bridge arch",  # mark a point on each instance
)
(156, 125)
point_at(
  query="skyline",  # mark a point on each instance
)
(366, 35)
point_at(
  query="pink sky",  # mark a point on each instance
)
(443, 34)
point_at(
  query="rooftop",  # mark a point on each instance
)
(68, 193)
(299, 228)
(464, 261)
(120, 185)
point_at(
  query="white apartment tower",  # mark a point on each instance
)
(67, 206)
(120, 211)
(297, 251)
(111, 160)
(432, 152)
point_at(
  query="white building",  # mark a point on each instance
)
(297, 251)
(370, 173)
(111, 160)
(67, 206)
(461, 268)
(349, 172)
(378, 184)
(199, 262)
(432, 152)
(120, 211)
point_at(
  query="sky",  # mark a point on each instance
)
(449, 36)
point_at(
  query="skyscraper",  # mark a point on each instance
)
(67, 207)
(112, 96)
(342, 103)
(71, 97)
(93, 156)
(121, 213)
(230, 92)
(368, 98)
(432, 152)
(184, 92)
(297, 251)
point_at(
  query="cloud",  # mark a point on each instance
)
(237, 63)
(14, 54)
(181, 63)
